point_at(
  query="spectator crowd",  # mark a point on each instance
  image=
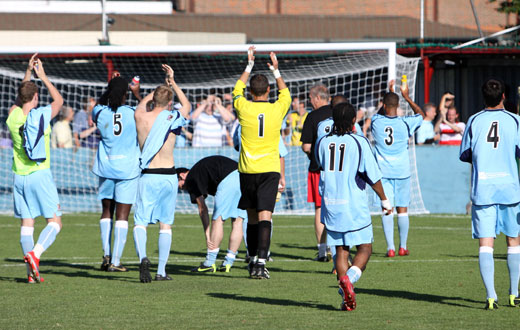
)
(213, 122)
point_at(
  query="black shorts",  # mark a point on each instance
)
(259, 191)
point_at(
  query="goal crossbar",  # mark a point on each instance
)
(209, 49)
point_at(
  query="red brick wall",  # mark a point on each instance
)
(452, 12)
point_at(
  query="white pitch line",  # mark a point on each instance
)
(240, 261)
(275, 226)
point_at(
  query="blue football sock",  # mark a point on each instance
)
(26, 239)
(388, 229)
(487, 270)
(46, 238)
(230, 258)
(211, 257)
(121, 230)
(403, 223)
(165, 243)
(354, 273)
(513, 264)
(140, 241)
(333, 252)
(105, 227)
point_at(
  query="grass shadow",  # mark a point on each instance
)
(499, 256)
(271, 301)
(200, 254)
(57, 267)
(414, 296)
(297, 246)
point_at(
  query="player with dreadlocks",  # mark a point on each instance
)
(347, 165)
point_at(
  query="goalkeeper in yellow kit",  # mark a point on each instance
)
(259, 163)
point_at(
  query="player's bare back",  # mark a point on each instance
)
(144, 122)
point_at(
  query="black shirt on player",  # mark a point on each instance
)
(205, 176)
(310, 132)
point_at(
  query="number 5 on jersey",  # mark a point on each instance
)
(118, 124)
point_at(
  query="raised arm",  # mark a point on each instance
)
(442, 117)
(57, 100)
(135, 88)
(30, 67)
(274, 68)
(202, 106)
(406, 95)
(224, 112)
(26, 77)
(442, 104)
(250, 63)
(185, 104)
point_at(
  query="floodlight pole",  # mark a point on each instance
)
(422, 22)
(104, 23)
(476, 19)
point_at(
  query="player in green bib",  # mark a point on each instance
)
(34, 191)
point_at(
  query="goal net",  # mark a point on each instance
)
(359, 71)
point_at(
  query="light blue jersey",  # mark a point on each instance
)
(491, 142)
(348, 164)
(325, 126)
(118, 152)
(425, 132)
(391, 135)
(34, 130)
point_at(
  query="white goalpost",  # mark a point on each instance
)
(359, 71)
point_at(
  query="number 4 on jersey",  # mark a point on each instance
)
(492, 136)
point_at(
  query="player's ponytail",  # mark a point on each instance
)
(343, 115)
(115, 95)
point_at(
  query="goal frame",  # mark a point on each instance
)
(209, 49)
(109, 52)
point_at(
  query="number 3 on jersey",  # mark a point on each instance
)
(492, 136)
(118, 124)
(389, 140)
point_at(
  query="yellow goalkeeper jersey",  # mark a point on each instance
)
(22, 165)
(261, 123)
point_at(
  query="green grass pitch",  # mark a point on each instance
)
(437, 287)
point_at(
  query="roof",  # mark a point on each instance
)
(258, 28)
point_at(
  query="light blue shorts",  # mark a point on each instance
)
(350, 238)
(36, 194)
(156, 196)
(491, 220)
(122, 191)
(397, 191)
(227, 198)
